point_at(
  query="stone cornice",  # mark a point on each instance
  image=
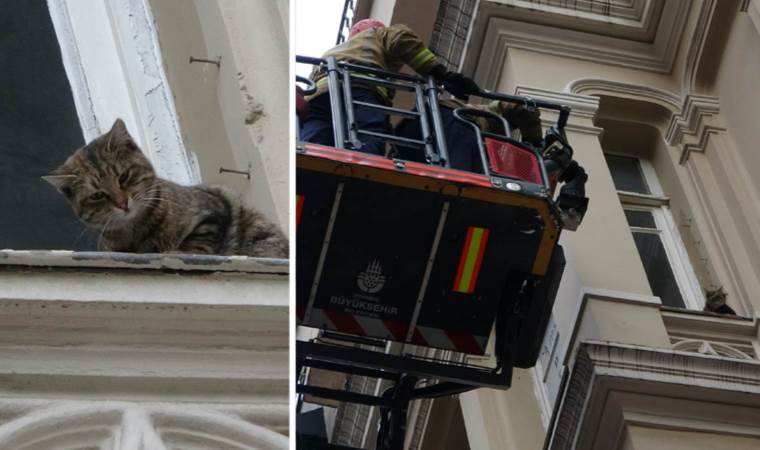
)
(496, 30)
(694, 119)
(639, 15)
(161, 300)
(637, 378)
(693, 125)
(597, 86)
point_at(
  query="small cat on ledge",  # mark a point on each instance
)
(715, 302)
(113, 188)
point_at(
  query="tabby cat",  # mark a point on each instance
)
(715, 301)
(113, 188)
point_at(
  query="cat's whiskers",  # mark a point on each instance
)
(105, 227)
(159, 201)
(150, 191)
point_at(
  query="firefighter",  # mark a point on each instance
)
(461, 138)
(371, 43)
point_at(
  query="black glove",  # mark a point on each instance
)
(523, 117)
(460, 85)
(455, 82)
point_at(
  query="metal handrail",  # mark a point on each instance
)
(312, 86)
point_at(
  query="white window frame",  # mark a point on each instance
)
(658, 204)
(112, 58)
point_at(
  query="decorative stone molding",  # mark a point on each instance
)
(613, 385)
(638, 14)
(697, 45)
(565, 332)
(124, 351)
(709, 348)
(130, 426)
(713, 334)
(564, 31)
(693, 125)
(597, 86)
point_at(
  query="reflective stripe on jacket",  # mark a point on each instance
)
(386, 48)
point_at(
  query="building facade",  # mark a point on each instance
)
(126, 351)
(665, 99)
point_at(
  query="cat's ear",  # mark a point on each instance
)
(120, 137)
(60, 181)
(119, 128)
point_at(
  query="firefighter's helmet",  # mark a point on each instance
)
(365, 25)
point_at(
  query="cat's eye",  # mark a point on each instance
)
(123, 178)
(98, 196)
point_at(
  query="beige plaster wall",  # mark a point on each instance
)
(613, 320)
(528, 65)
(235, 116)
(504, 420)
(603, 246)
(195, 91)
(260, 54)
(382, 10)
(738, 85)
(641, 438)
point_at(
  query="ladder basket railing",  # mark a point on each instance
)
(341, 76)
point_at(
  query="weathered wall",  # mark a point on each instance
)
(195, 91)
(260, 54)
(234, 116)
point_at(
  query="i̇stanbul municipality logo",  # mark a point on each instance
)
(372, 279)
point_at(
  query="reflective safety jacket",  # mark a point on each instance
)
(387, 48)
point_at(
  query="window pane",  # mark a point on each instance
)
(39, 128)
(627, 174)
(641, 219)
(658, 269)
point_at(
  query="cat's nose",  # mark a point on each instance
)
(121, 201)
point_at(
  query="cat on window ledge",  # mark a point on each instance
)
(715, 301)
(113, 188)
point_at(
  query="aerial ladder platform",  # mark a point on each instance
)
(395, 255)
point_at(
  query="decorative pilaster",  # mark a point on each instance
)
(692, 127)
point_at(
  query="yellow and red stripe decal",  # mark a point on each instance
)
(299, 208)
(470, 260)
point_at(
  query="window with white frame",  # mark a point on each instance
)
(666, 263)
(71, 68)
(39, 127)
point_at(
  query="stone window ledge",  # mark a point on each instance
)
(143, 261)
